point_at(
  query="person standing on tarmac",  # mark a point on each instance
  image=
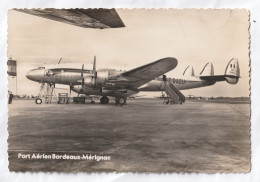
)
(10, 97)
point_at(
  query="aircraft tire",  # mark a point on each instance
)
(121, 100)
(38, 101)
(104, 100)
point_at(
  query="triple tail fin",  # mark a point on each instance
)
(231, 75)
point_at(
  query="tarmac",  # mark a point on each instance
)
(142, 136)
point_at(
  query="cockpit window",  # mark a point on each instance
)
(48, 73)
(41, 68)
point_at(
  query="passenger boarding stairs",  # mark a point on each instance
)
(48, 92)
(174, 96)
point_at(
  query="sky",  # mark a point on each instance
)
(193, 37)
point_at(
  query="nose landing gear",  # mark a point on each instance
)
(47, 92)
(38, 100)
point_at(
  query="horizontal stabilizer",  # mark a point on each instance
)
(213, 78)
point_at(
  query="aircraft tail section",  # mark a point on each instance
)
(231, 75)
(189, 71)
(208, 70)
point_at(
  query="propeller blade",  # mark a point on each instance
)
(82, 77)
(59, 60)
(82, 70)
(94, 72)
(94, 66)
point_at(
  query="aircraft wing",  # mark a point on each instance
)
(86, 18)
(143, 74)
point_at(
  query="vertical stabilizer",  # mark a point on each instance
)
(232, 72)
(208, 70)
(189, 71)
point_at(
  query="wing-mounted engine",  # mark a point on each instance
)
(96, 79)
(89, 81)
(102, 77)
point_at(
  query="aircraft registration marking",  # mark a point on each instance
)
(179, 81)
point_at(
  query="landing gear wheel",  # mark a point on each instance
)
(121, 100)
(104, 100)
(92, 102)
(38, 101)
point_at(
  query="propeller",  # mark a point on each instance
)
(94, 66)
(94, 71)
(82, 77)
(71, 88)
(94, 74)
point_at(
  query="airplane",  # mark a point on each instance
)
(122, 84)
(103, 82)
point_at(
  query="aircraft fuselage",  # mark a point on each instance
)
(72, 77)
(181, 83)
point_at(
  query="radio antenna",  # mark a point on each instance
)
(59, 60)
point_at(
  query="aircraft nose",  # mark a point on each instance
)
(29, 75)
(34, 75)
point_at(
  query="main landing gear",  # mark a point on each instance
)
(104, 100)
(120, 100)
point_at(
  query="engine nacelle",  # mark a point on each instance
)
(102, 77)
(108, 92)
(89, 81)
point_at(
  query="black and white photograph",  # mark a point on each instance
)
(129, 90)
